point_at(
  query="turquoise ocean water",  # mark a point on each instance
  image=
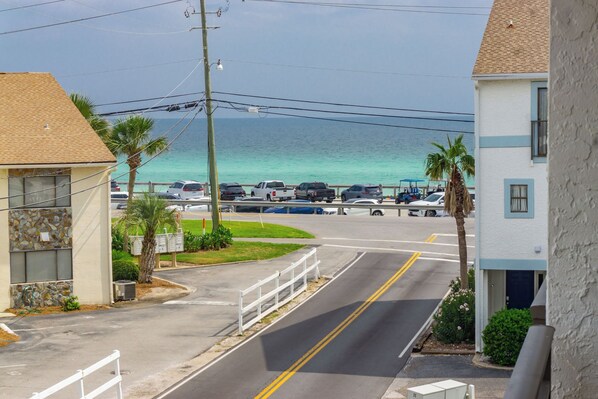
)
(295, 150)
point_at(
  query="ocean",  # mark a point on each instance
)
(249, 150)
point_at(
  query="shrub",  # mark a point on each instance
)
(70, 303)
(455, 321)
(125, 270)
(221, 238)
(120, 255)
(118, 239)
(455, 285)
(504, 335)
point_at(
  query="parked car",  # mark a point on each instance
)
(362, 191)
(248, 208)
(296, 209)
(120, 195)
(169, 197)
(273, 190)
(204, 206)
(362, 211)
(186, 189)
(114, 187)
(315, 191)
(230, 191)
(432, 199)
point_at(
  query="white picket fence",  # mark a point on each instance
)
(81, 374)
(287, 283)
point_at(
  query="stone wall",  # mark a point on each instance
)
(573, 203)
(35, 295)
(26, 226)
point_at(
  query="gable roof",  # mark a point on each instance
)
(516, 39)
(39, 124)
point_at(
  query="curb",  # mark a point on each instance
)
(480, 361)
(7, 329)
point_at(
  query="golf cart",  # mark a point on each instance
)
(436, 186)
(409, 191)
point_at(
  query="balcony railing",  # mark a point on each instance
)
(539, 139)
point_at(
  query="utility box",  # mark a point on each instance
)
(425, 392)
(452, 389)
(124, 290)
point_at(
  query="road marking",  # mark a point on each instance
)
(286, 375)
(212, 303)
(12, 365)
(393, 241)
(247, 341)
(410, 251)
(425, 325)
(454, 235)
(431, 239)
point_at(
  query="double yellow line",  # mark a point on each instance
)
(287, 374)
(431, 239)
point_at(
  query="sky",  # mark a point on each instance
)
(375, 57)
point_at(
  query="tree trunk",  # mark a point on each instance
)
(148, 258)
(133, 162)
(457, 180)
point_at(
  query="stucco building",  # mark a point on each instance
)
(511, 148)
(54, 197)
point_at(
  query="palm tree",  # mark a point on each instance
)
(131, 137)
(150, 214)
(454, 162)
(87, 109)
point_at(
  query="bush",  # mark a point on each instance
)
(120, 255)
(504, 335)
(221, 238)
(118, 239)
(125, 270)
(455, 321)
(70, 303)
(455, 285)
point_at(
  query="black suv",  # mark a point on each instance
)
(230, 191)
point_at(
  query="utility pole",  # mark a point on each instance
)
(214, 190)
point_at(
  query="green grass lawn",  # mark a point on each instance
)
(240, 229)
(249, 229)
(238, 252)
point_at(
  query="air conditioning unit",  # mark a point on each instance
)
(124, 290)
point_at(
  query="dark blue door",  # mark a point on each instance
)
(520, 289)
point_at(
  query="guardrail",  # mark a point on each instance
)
(81, 374)
(287, 285)
(340, 206)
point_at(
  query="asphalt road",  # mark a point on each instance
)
(348, 341)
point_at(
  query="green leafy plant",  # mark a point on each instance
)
(504, 335)
(455, 321)
(221, 238)
(120, 255)
(118, 238)
(125, 270)
(70, 303)
(455, 285)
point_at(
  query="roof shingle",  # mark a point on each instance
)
(39, 124)
(516, 39)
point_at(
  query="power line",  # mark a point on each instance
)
(369, 7)
(270, 107)
(357, 122)
(32, 5)
(88, 18)
(150, 99)
(166, 107)
(343, 104)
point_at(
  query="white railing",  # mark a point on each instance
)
(286, 285)
(81, 374)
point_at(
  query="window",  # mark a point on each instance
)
(35, 266)
(519, 198)
(39, 191)
(539, 120)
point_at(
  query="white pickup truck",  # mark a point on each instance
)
(273, 190)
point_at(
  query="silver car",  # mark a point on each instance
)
(363, 191)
